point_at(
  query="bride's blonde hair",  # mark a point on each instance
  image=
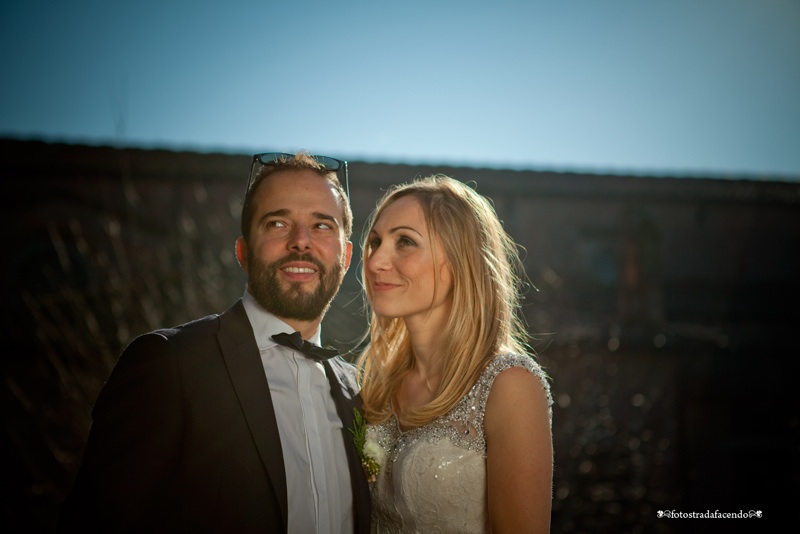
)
(487, 278)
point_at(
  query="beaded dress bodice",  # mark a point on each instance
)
(433, 478)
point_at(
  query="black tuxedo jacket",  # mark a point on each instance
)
(184, 437)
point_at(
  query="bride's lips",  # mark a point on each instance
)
(299, 271)
(383, 286)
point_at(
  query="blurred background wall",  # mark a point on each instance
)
(664, 309)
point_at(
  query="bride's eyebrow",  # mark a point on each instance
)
(399, 228)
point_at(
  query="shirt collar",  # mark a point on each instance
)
(266, 324)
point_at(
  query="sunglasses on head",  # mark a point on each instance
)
(270, 158)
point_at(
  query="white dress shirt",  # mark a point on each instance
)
(317, 475)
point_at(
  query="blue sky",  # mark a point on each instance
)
(679, 87)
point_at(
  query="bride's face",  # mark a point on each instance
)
(406, 272)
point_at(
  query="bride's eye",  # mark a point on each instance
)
(405, 241)
(373, 243)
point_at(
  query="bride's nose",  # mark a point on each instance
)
(378, 260)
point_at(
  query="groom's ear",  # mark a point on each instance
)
(241, 253)
(348, 254)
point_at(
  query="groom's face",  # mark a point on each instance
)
(297, 254)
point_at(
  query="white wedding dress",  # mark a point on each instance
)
(433, 478)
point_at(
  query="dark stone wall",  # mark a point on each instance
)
(664, 310)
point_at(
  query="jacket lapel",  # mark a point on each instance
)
(240, 352)
(343, 389)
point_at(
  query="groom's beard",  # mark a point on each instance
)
(293, 302)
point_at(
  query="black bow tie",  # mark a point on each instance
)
(295, 341)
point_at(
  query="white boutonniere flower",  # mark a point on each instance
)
(371, 453)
